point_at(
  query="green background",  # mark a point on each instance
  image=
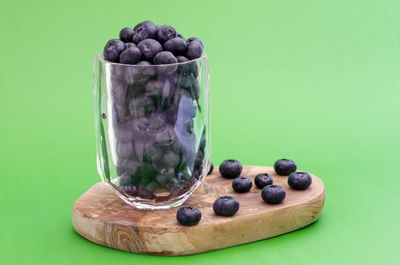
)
(314, 81)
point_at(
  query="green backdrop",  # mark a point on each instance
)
(314, 81)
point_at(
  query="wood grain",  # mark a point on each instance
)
(102, 217)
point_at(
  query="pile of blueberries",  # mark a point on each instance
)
(271, 194)
(154, 111)
(148, 44)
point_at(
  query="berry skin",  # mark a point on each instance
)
(165, 57)
(113, 49)
(242, 184)
(176, 45)
(263, 180)
(188, 215)
(149, 48)
(230, 169)
(143, 63)
(165, 32)
(130, 56)
(196, 39)
(194, 50)
(211, 169)
(129, 45)
(181, 58)
(299, 180)
(126, 34)
(284, 167)
(273, 194)
(226, 206)
(144, 30)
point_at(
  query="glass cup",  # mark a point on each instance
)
(152, 129)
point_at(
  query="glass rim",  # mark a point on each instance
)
(99, 56)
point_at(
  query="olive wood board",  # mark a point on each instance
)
(99, 215)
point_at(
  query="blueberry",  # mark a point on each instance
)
(242, 184)
(181, 58)
(211, 169)
(130, 190)
(113, 49)
(188, 215)
(149, 48)
(165, 57)
(129, 45)
(284, 167)
(263, 180)
(165, 32)
(226, 206)
(124, 149)
(299, 180)
(230, 169)
(130, 56)
(273, 194)
(196, 39)
(144, 30)
(176, 45)
(194, 50)
(143, 63)
(126, 34)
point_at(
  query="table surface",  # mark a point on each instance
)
(315, 81)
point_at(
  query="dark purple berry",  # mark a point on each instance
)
(226, 206)
(194, 50)
(242, 184)
(284, 167)
(113, 49)
(149, 48)
(188, 215)
(211, 169)
(181, 58)
(130, 56)
(230, 169)
(299, 180)
(176, 45)
(126, 34)
(273, 194)
(165, 57)
(196, 39)
(262, 180)
(165, 32)
(144, 30)
(129, 45)
(143, 63)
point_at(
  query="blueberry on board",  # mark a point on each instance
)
(130, 56)
(129, 45)
(262, 180)
(242, 184)
(126, 34)
(211, 169)
(196, 39)
(226, 206)
(188, 215)
(113, 49)
(144, 30)
(149, 48)
(176, 45)
(284, 167)
(299, 180)
(165, 57)
(273, 194)
(165, 32)
(194, 50)
(230, 168)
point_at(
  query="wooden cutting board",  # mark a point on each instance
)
(102, 217)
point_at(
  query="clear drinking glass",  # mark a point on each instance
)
(153, 130)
